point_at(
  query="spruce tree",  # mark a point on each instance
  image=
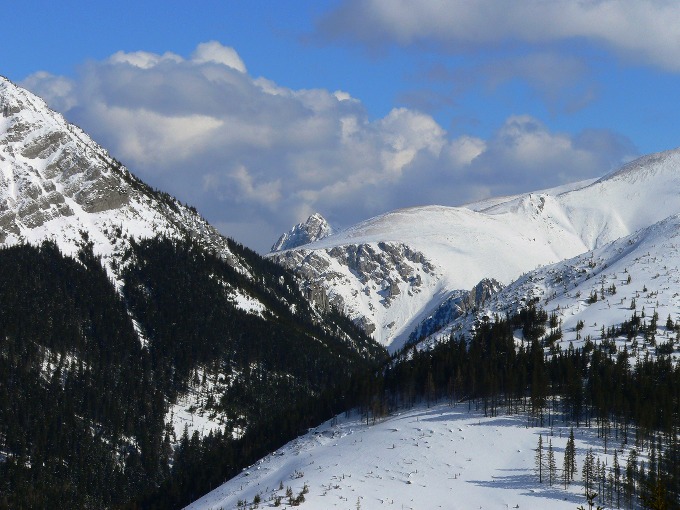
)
(566, 469)
(588, 470)
(552, 468)
(539, 458)
(570, 456)
(617, 478)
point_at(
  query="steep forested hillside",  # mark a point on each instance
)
(181, 296)
(81, 418)
(87, 373)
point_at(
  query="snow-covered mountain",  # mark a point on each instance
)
(316, 227)
(57, 183)
(620, 295)
(393, 272)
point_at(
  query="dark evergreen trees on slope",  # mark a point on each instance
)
(83, 401)
(183, 299)
(71, 374)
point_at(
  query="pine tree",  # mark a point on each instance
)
(617, 478)
(552, 468)
(570, 456)
(539, 458)
(631, 474)
(656, 499)
(588, 470)
(566, 469)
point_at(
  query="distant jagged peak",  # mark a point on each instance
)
(316, 227)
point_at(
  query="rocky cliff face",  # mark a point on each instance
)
(459, 304)
(375, 284)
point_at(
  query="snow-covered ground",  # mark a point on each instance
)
(422, 458)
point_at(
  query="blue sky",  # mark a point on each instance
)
(262, 112)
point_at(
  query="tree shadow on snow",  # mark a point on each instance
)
(529, 486)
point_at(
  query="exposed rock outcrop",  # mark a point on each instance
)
(316, 227)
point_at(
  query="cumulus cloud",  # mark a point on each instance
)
(213, 51)
(522, 155)
(647, 31)
(143, 59)
(255, 157)
(58, 91)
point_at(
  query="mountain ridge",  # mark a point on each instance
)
(499, 238)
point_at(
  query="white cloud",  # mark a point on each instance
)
(267, 193)
(524, 152)
(154, 139)
(58, 91)
(463, 151)
(143, 59)
(249, 152)
(213, 51)
(648, 31)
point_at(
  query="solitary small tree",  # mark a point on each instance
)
(539, 458)
(552, 468)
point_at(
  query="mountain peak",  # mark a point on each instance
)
(57, 183)
(316, 227)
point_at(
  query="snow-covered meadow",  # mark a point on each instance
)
(443, 456)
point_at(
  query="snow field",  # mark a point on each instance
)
(423, 458)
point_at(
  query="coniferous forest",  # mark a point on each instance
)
(630, 402)
(83, 402)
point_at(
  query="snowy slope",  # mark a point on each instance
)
(397, 268)
(441, 457)
(499, 238)
(637, 274)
